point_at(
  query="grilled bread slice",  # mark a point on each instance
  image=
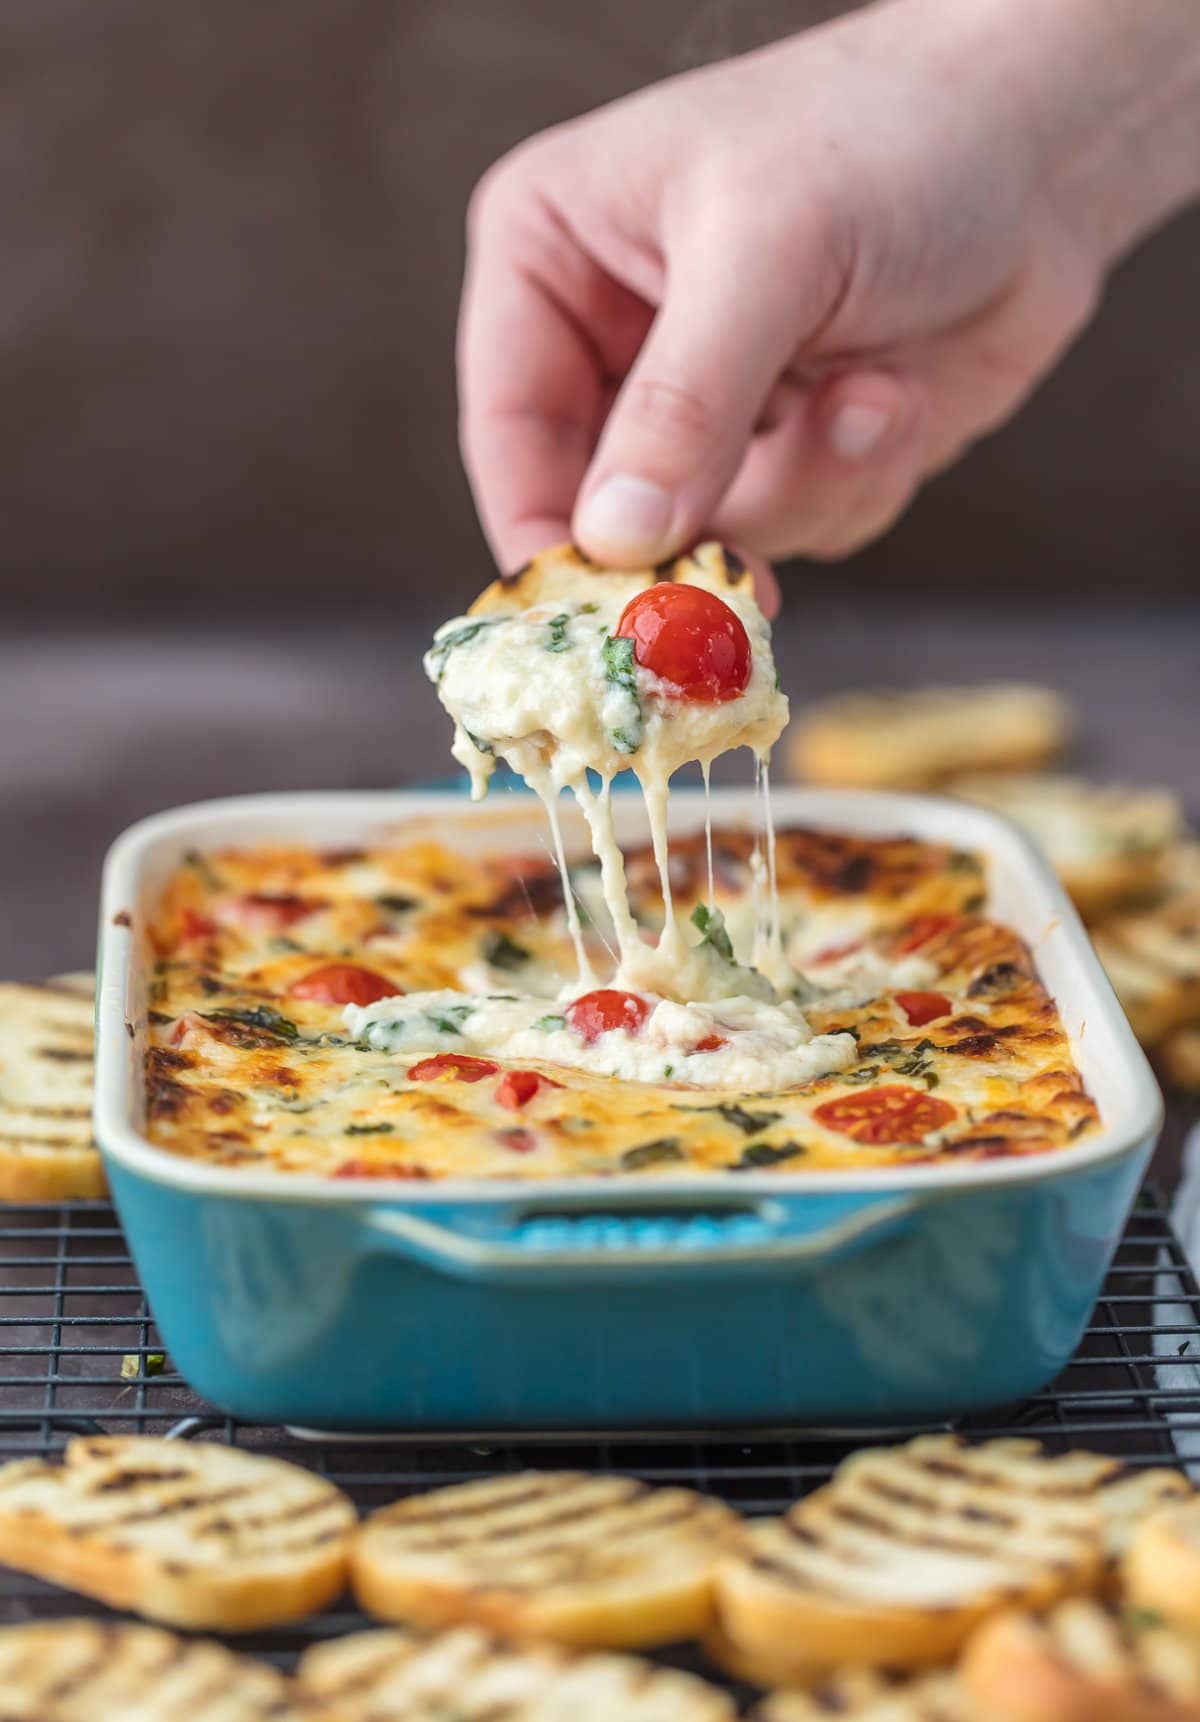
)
(467, 1675)
(768, 1668)
(916, 737)
(46, 1148)
(109, 1671)
(1161, 1569)
(1129, 1497)
(1082, 1663)
(1179, 1057)
(1108, 843)
(585, 1560)
(868, 1695)
(1153, 961)
(898, 1558)
(194, 1534)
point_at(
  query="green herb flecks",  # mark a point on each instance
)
(201, 867)
(281, 946)
(619, 672)
(450, 1020)
(710, 923)
(760, 1154)
(548, 1023)
(1142, 1619)
(477, 741)
(435, 658)
(501, 952)
(749, 1123)
(257, 1016)
(588, 609)
(663, 1151)
(558, 641)
(865, 1073)
(396, 905)
(368, 1130)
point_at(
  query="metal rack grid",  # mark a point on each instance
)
(73, 1318)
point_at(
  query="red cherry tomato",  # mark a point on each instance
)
(451, 1067)
(921, 930)
(193, 925)
(597, 1013)
(711, 1043)
(518, 1140)
(690, 639)
(343, 984)
(885, 1115)
(268, 912)
(921, 1008)
(516, 1088)
(835, 953)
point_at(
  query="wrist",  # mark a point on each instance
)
(1110, 90)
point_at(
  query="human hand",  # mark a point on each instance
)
(764, 301)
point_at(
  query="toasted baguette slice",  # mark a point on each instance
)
(110, 1671)
(1179, 1058)
(81, 982)
(1107, 842)
(768, 1668)
(866, 1695)
(585, 1560)
(466, 1675)
(898, 1558)
(46, 1148)
(916, 737)
(563, 574)
(1082, 1663)
(1129, 1497)
(1152, 959)
(195, 1534)
(1161, 1568)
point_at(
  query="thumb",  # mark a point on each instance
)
(682, 421)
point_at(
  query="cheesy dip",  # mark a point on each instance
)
(414, 1013)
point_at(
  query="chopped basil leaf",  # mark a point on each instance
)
(396, 905)
(974, 904)
(588, 609)
(961, 861)
(668, 1072)
(865, 1073)
(281, 946)
(710, 923)
(501, 952)
(661, 1152)
(1142, 1619)
(558, 641)
(450, 1020)
(617, 652)
(743, 1119)
(767, 1154)
(257, 1016)
(368, 1130)
(549, 1022)
(435, 658)
(200, 866)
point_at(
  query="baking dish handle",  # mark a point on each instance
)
(570, 1245)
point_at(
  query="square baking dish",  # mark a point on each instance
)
(877, 1296)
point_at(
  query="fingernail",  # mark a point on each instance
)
(858, 428)
(628, 514)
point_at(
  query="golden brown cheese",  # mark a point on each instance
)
(245, 1070)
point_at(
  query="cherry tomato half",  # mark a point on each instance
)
(885, 1115)
(921, 1008)
(711, 1043)
(268, 912)
(343, 984)
(516, 1088)
(604, 1010)
(921, 930)
(690, 639)
(451, 1067)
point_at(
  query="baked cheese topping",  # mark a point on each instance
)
(412, 1012)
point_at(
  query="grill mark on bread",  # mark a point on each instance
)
(449, 1511)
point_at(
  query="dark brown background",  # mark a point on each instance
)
(230, 502)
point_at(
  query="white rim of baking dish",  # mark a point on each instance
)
(325, 818)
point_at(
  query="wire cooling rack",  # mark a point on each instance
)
(79, 1354)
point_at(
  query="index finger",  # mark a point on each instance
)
(530, 398)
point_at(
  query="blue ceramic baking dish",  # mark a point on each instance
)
(771, 1298)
